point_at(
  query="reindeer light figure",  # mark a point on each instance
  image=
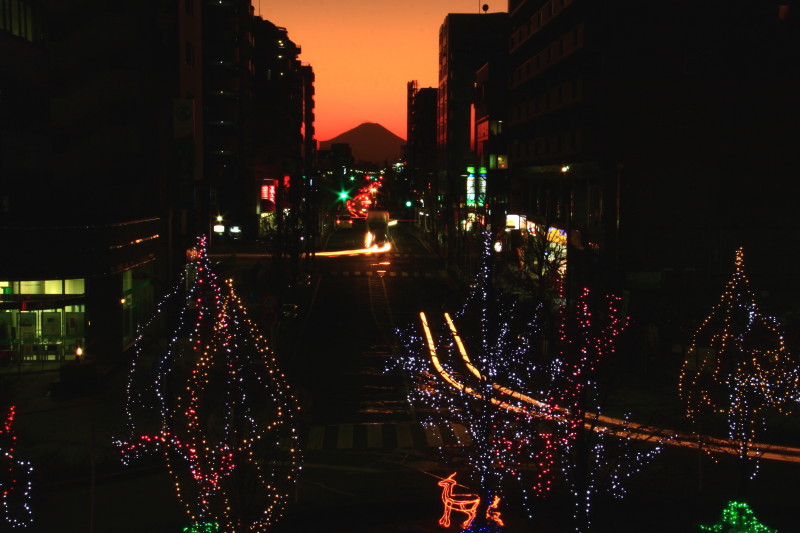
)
(492, 513)
(462, 503)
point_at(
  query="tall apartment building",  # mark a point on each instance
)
(258, 116)
(420, 151)
(660, 131)
(488, 190)
(228, 72)
(308, 130)
(284, 143)
(466, 42)
(91, 212)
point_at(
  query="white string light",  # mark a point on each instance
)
(217, 408)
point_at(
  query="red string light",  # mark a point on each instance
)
(15, 477)
(223, 406)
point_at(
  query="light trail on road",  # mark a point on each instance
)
(613, 426)
(357, 251)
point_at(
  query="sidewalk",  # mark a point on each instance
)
(62, 438)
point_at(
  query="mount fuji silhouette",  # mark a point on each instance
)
(369, 142)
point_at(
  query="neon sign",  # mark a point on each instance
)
(461, 503)
(465, 503)
(268, 193)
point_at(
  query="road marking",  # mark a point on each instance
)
(390, 273)
(407, 435)
(461, 433)
(433, 435)
(404, 439)
(344, 439)
(316, 437)
(375, 436)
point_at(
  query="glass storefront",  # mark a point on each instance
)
(41, 320)
(137, 303)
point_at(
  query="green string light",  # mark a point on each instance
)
(202, 527)
(737, 517)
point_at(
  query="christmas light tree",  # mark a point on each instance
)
(738, 368)
(496, 398)
(215, 405)
(15, 477)
(499, 437)
(592, 458)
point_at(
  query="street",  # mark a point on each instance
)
(369, 463)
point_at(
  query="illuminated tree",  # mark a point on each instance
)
(499, 435)
(15, 478)
(215, 405)
(593, 459)
(737, 367)
(496, 398)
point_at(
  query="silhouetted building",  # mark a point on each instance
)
(92, 208)
(228, 72)
(487, 190)
(284, 144)
(466, 42)
(308, 131)
(335, 160)
(420, 150)
(661, 131)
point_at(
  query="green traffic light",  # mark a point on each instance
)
(343, 195)
(408, 203)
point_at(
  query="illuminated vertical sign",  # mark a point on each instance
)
(471, 196)
(268, 193)
(480, 197)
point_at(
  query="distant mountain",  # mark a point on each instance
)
(369, 142)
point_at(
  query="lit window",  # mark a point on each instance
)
(53, 286)
(31, 287)
(74, 286)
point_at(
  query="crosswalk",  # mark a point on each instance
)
(397, 265)
(383, 436)
(439, 273)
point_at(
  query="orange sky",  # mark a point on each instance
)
(363, 53)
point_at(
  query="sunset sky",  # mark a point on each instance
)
(363, 53)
